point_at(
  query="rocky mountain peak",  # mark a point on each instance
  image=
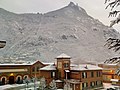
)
(71, 4)
(76, 7)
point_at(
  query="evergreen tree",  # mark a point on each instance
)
(42, 85)
(53, 85)
(67, 86)
(114, 12)
(113, 43)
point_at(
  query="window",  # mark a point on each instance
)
(66, 65)
(59, 64)
(84, 85)
(37, 69)
(52, 74)
(25, 77)
(33, 69)
(98, 74)
(84, 74)
(92, 74)
(98, 82)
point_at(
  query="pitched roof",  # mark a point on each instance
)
(84, 67)
(63, 56)
(19, 64)
(49, 67)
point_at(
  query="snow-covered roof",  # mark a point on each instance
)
(84, 67)
(18, 64)
(72, 65)
(114, 80)
(63, 56)
(47, 63)
(58, 81)
(49, 67)
(67, 70)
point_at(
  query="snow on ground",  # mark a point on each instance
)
(4, 87)
(10, 86)
(109, 85)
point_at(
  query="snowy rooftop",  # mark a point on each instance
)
(18, 63)
(114, 80)
(63, 56)
(72, 65)
(83, 67)
(49, 67)
(47, 63)
(58, 81)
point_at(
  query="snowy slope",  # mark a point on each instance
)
(68, 30)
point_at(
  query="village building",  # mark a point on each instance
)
(16, 72)
(111, 71)
(79, 77)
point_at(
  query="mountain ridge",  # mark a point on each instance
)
(67, 30)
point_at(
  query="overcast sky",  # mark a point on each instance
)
(95, 8)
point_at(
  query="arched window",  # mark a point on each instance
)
(25, 77)
(19, 79)
(3, 80)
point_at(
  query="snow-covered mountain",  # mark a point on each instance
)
(68, 30)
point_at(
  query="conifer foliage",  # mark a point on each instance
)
(113, 43)
(67, 86)
(52, 85)
(114, 11)
(42, 85)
